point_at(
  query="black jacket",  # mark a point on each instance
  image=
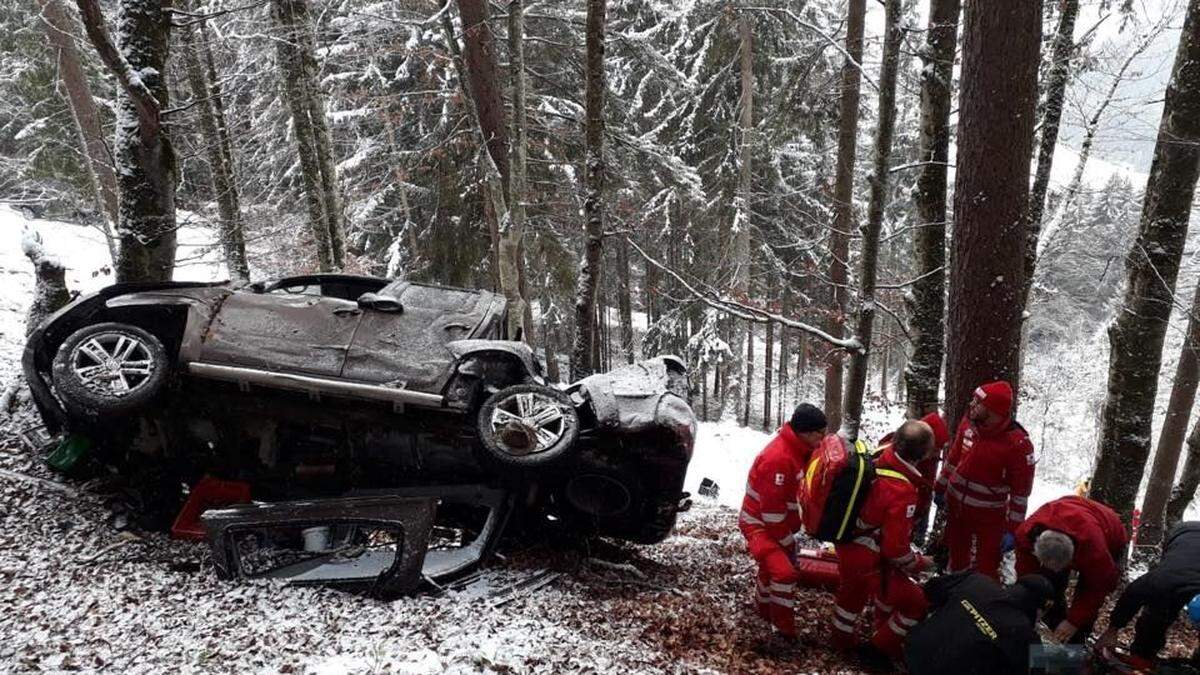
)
(1171, 584)
(976, 627)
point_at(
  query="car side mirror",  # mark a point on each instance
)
(380, 303)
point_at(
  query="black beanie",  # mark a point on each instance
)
(808, 417)
(1030, 593)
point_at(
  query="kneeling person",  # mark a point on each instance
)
(879, 559)
(976, 626)
(1160, 594)
(770, 514)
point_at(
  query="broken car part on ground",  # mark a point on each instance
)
(388, 430)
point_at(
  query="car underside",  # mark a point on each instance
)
(339, 400)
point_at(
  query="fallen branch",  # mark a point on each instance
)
(746, 312)
(124, 539)
(616, 567)
(34, 480)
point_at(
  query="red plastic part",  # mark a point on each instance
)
(818, 568)
(208, 493)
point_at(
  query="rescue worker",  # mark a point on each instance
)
(1160, 594)
(879, 560)
(1073, 534)
(985, 481)
(977, 627)
(770, 514)
(928, 467)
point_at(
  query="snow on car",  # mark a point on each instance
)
(359, 407)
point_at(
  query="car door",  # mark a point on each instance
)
(408, 348)
(298, 332)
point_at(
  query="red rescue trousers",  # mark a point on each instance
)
(899, 602)
(985, 537)
(775, 591)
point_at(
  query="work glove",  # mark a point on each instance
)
(1008, 543)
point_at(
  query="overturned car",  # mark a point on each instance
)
(388, 431)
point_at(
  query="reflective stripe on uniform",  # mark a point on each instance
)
(793, 506)
(957, 479)
(867, 542)
(752, 493)
(774, 516)
(905, 621)
(882, 606)
(844, 614)
(787, 541)
(782, 588)
(842, 627)
(973, 501)
(749, 519)
(896, 628)
(1016, 516)
(1019, 501)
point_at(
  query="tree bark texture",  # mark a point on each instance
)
(61, 32)
(589, 271)
(1189, 479)
(145, 159)
(991, 191)
(296, 52)
(1171, 437)
(843, 204)
(1152, 265)
(1056, 89)
(512, 226)
(860, 359)
(927, 302)
(768, 373)
(213, 129)
(624, 302)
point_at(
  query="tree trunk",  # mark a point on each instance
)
(1189, 478)
(860, 358)
(1136, 335)
(210, 111)
(624, 302)
(299, 72)
(927, 303)
(512, 228)
(784, 309)
(991, 191)
(60, 33)
(146, 170)
(747, 384)
(145, 159)
(843, 204)
(585, 294)
(768, 373)
(1056, 89)
(1174, 428)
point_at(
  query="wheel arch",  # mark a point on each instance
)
(517, 354)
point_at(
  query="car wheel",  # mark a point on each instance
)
(109, 368)
(528, 424)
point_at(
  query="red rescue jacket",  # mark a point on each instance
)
(885, 522)
(1099, 538)
(988, 474)
(771, 505)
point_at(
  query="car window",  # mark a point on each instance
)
(297, 289)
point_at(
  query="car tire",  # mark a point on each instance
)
(527, 425)
(109, 368)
